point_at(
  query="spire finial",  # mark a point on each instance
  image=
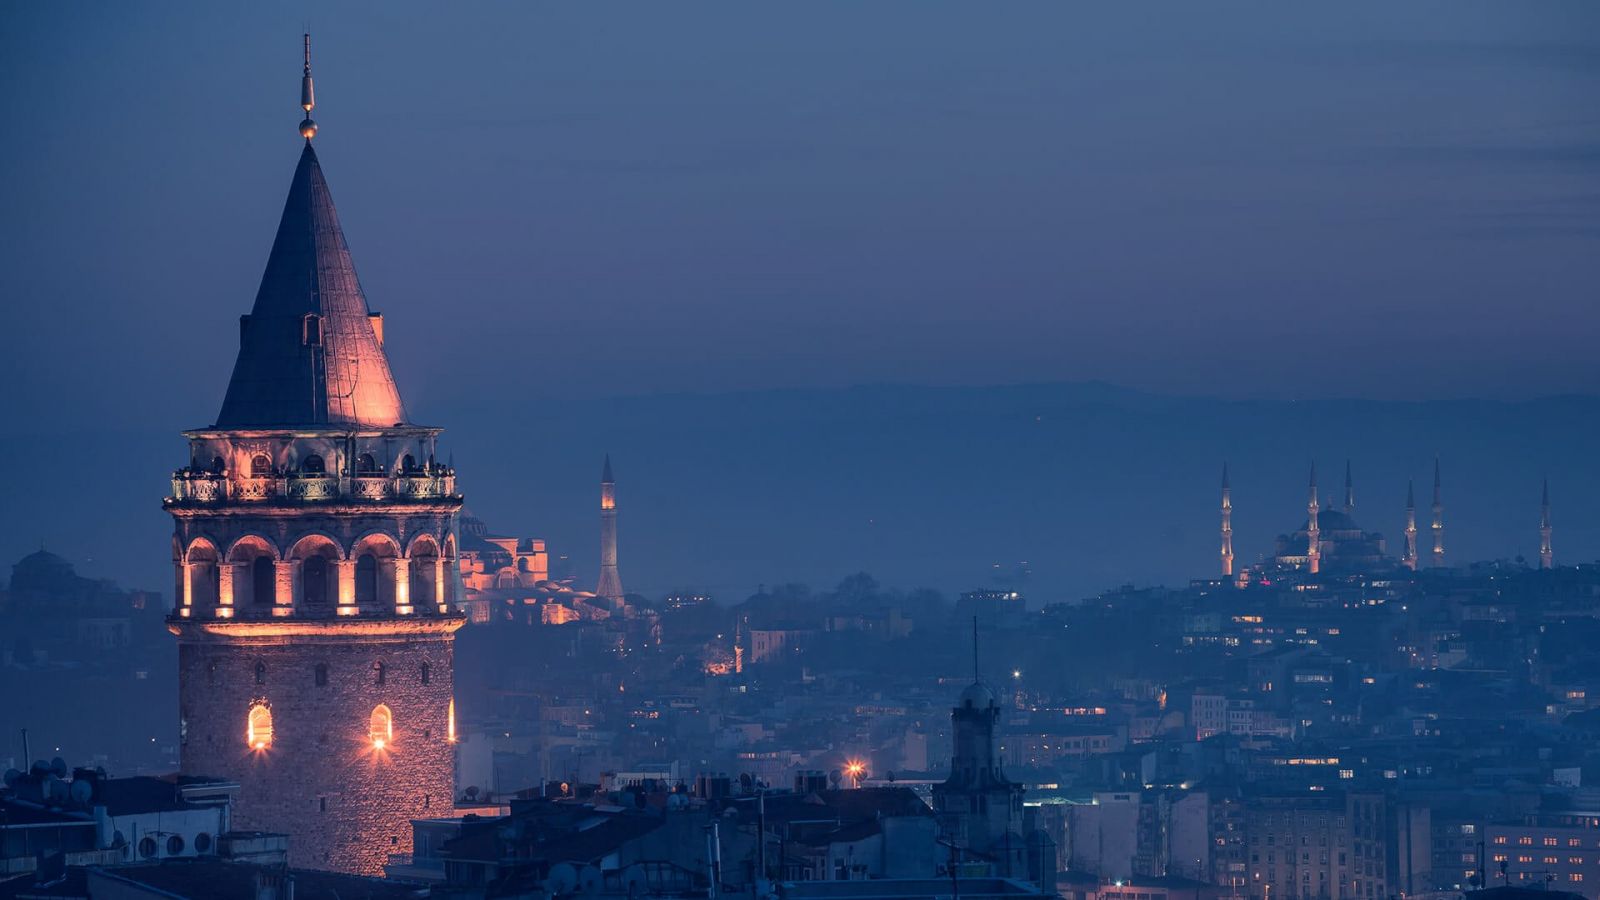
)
(975, 678)
(308, 99)
(1349, 490)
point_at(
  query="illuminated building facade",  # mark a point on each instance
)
(315, 548)
(1331, 540)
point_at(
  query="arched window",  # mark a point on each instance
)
(367, 579)
(263, 581)
(381, 727)
(312, 465)
(425, 672)
(409, 463)
(379, 671)
(260, 465)
(217, 465)
(322, 675)
(258, 727)
(366, 465)
(261, 673)
(314, 580)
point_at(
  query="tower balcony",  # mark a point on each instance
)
(192, 488)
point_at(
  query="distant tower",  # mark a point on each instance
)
(1546, 554)
(1227, 524)
(1349, 491)
(610, 585)
(1313, 532)
(1409, 560)
(1438, 518)
(978, 808)
(314, 546)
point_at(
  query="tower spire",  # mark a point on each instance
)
(1409, 560)
(308, 97)
(1438, 517)
(1349, 490)
(1227, 524)
(1546, 554)
(1313, 531)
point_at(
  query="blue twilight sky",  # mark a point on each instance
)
(569, 201)
(1370, 199)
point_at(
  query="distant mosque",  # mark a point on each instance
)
(1330, 541)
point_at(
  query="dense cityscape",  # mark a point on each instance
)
(355, 687)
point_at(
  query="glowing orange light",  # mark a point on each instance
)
(450, 723)
(258, 727)
(381, 727)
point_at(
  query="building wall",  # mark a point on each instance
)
(344, 804)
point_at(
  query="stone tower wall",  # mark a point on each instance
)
(345, 804)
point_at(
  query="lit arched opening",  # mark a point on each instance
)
(258, 727)
(313, 465)
(205, 575)
(450, 722)
(255, 574)
(381, 727)
(366, 465)
(317, 584)
(424, 570)
(375, 557)
(260, 465)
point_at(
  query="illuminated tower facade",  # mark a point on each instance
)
(1227, 524)
(1438, 518)
(1547, 556)
(1313, 531)
(1409, 560)
(314, 547)
(610, 585)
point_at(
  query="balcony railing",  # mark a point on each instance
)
(189, 487)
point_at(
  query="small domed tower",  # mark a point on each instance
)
(314, 547)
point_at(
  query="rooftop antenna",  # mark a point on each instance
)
(975, 678)
(308, 99)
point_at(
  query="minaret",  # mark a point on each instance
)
(1438, 518)
(1546, 554)
(1349, 491)
(610, 585)
(314, 551)
(1409, 560)
(1227, 524)
(1313, 532)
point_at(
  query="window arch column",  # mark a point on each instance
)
(402, 586)
(225, 580)
(284, 574)
(347, 586)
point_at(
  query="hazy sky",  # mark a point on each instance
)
(1245, 199)
(1288, 200)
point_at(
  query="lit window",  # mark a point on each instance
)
(260, 466)
(450, 723)
(1575, 876)
(1550, 842)
(381, 728)
(258, 727)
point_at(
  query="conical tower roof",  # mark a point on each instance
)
(310, 352)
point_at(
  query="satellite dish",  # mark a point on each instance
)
(59, 767)
(590, 881)
(563, 879)
(82, 791)
(833, 777)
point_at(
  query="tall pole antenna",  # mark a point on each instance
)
(975, 677)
